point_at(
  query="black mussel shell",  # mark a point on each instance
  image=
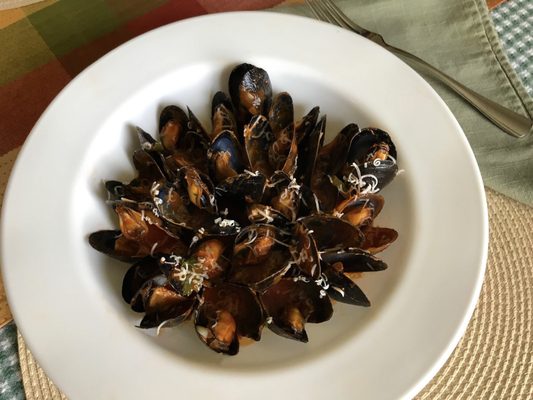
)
(365, 140)
(383, 170)
(257, 139)
(143, 232)
(226, 156)
(249, 186)
(137, 275)
(195, 126)
(213, 252)
(146, 140)
(250, 90)
(309, 150)
(291, 303)
(287, 201)
(261, 256)
(354, 260)
(377, 238)
(332, 233)
(226, 313)
(116, 245)
(174, 207)
(281, 112)
(200, 188)
(104, 242)
(173, 122)
(222, 115)
(149, 166)
(162, 303)
(344, 290)
(280, 148)
(304, 126)
(360, 210)
(332, 157)
(306, 253)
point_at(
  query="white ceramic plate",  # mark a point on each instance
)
(66, 297)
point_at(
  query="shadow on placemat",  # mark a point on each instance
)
(494, 358)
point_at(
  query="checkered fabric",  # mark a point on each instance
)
(514, 23)
(10, 376)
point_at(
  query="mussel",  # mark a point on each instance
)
(256, 221)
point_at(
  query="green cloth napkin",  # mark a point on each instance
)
(457, 36)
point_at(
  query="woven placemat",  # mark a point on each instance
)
(494, 359)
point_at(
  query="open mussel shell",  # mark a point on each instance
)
(250, 90)
(384, 171)
(329, 161)
(143, 233)
(116, 190)
(213, 252)
(291, 303)
(148, 163)
(290, 164)
(104, 241)
(378, 239)
(200, 188)
(281, 113)
(360, 210)
(257, 139)
(174, 207)
(137, 275)
(332, 157)
(226, 156)
(192, 151)
(249, 186)
(366, 142)
(195, 126)
(304, 126)
(325, 191)
(162, 304)
(226, 313)
(306, 253)
(146, 140)
(116, 245)
(332, 233)
(308, 151)
(222, 115)
(173, 122)
(280, 148)
(344, 290)
(261, 256)
(283, 194)
(354, 260)
(287, 201)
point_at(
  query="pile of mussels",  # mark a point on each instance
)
(254, 223)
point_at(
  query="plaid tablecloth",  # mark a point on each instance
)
(56, 60)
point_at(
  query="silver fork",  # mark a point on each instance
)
(509, 121)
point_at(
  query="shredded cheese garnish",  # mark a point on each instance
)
(153, 248)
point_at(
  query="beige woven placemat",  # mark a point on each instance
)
(494, 359)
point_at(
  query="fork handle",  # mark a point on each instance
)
(509, 121)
